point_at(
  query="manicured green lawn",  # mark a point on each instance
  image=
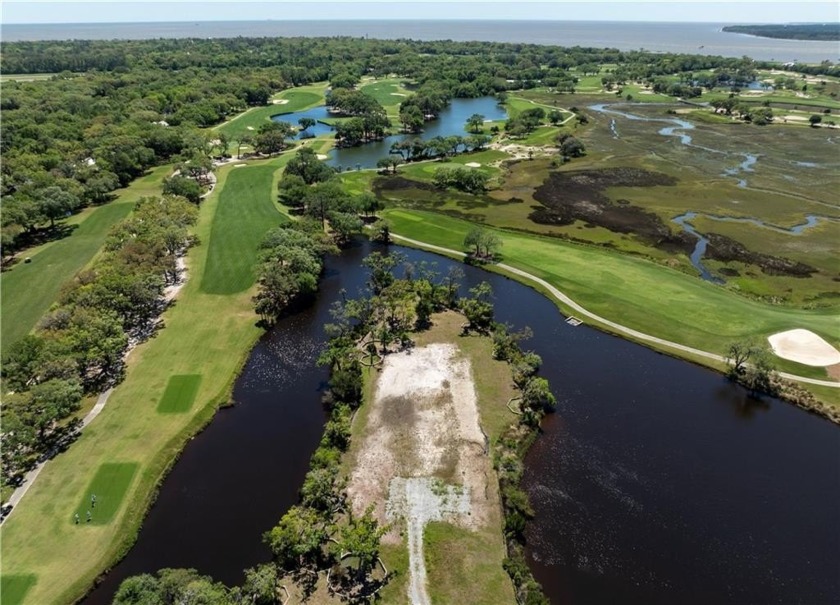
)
(109, 486)
(245, 213)
(250, 121)
(207, 334)
(28, 289)
(632, 291)
(13, 588)
(179, 394)
(390, 93)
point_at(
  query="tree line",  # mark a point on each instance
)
(79, 346)
(140, 103)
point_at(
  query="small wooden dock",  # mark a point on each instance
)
(573, 321)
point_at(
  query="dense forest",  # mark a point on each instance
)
(805, 31)
(113, 109)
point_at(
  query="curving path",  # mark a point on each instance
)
(29, 478)
(615, 326)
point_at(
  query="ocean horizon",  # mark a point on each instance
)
(672, 37)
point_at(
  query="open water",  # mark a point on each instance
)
(695, 38)
(656, 482)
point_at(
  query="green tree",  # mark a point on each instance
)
(292, 191)
(260, 587)
(478, 308)
(815, 120)
(183, 186)
(475, 123)
(555, 117)
(307, 166)
(306, 123)
(411, 119)
(538, 396)
(298, 538)
(55, 203)
(360, 538)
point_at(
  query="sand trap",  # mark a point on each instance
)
(250, 127)
(398, 94)
(280, 101)
(803, 346)
(321, 156)
(472, 165)
(239, 165)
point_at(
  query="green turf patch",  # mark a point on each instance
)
(179, 394)
(245, 213)
(13, 588)
(109, 486)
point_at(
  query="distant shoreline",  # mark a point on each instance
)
(683, 38)
(811, 32)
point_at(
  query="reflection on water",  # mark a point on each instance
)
(656, 482)
(451, 121)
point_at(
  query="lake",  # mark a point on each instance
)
(451, 121)
(693, 38)
(656, 481)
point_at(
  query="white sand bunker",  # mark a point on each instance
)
(250, 127)
(280, 101)
(472, 165)
(322, 156)
(805, 347)
(398, 94)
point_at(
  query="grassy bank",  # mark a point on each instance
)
(206, 336)
(29, 289)
(464, 566)
(662, 302)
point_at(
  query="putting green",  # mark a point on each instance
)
(109, 486)
(179, 394)
(13, 588)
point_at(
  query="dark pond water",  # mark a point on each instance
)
(451, 121)
(655, 482)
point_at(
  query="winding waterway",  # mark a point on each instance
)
(679, 129)
(656, 481)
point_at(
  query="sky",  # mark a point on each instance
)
(114, 11)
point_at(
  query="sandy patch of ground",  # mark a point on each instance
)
(520, 152)
(250, 127)
(793, 118)
(398, 94)
(280, 101)
(322, 156)
(805, 347)
(423, 451)
(239, 165)
(472, 165)
(170, 292)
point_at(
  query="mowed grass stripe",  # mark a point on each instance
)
(109, 485)
(204, 334)
(179, 394)
(29, 289)
(13, 588)
(245, 213)
(637, 293)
